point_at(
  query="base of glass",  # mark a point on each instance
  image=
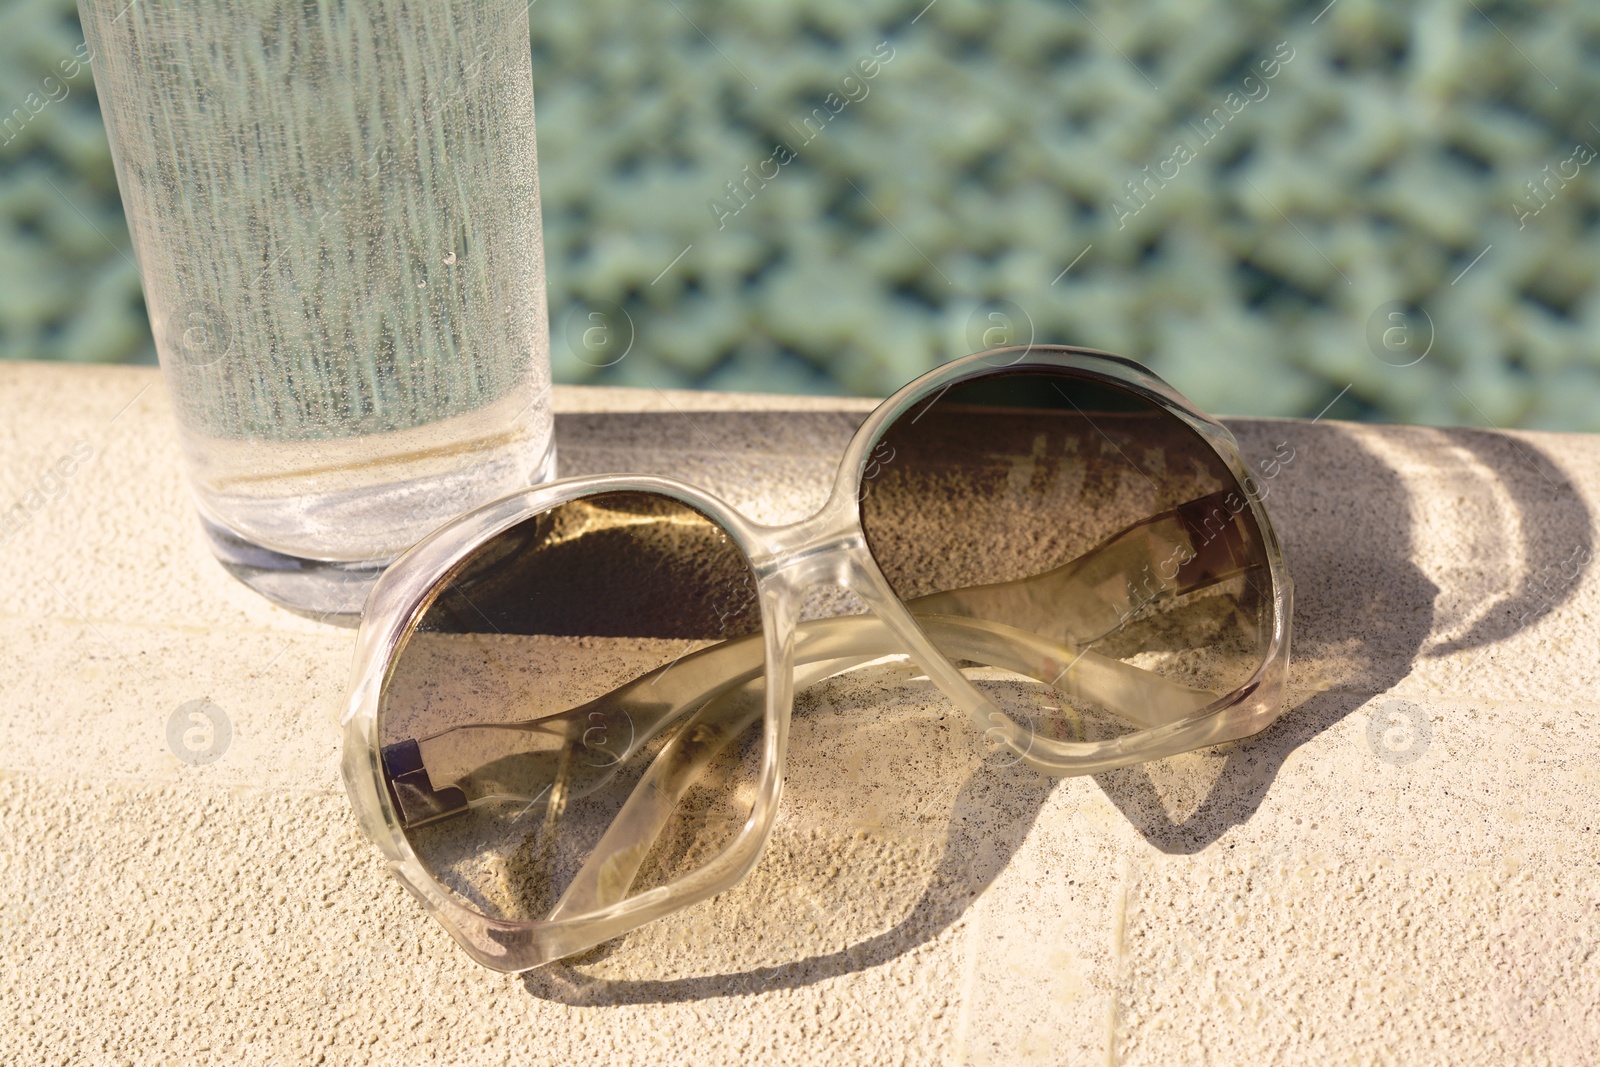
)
(326, 591)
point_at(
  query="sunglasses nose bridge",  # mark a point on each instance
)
(831, 550)
(830, 559)
(825, 548)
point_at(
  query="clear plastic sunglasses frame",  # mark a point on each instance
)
(828, 547)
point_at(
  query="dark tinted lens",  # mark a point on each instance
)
(608, 642)
(1081, 513)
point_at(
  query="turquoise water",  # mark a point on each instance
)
(1388, 211)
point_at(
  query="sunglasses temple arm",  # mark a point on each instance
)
(608, 873)
(1195, 545)
(443, 774)
(1076, 604)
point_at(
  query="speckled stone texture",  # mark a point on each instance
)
(1402, 870)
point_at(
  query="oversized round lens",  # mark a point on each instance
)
(576, 714)
(1100, 546)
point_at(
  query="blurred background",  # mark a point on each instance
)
(1382, 211)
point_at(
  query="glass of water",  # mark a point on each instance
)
(335, 208)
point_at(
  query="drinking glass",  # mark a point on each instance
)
(335, 210)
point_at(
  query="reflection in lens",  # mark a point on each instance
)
(1073, 509)
(556, 735)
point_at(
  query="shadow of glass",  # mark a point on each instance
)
(773, 466)
(1554, 534)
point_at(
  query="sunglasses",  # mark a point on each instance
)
(571, 707)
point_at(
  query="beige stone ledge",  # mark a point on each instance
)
(1311, 895)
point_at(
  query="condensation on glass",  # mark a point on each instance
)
(335, 209)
